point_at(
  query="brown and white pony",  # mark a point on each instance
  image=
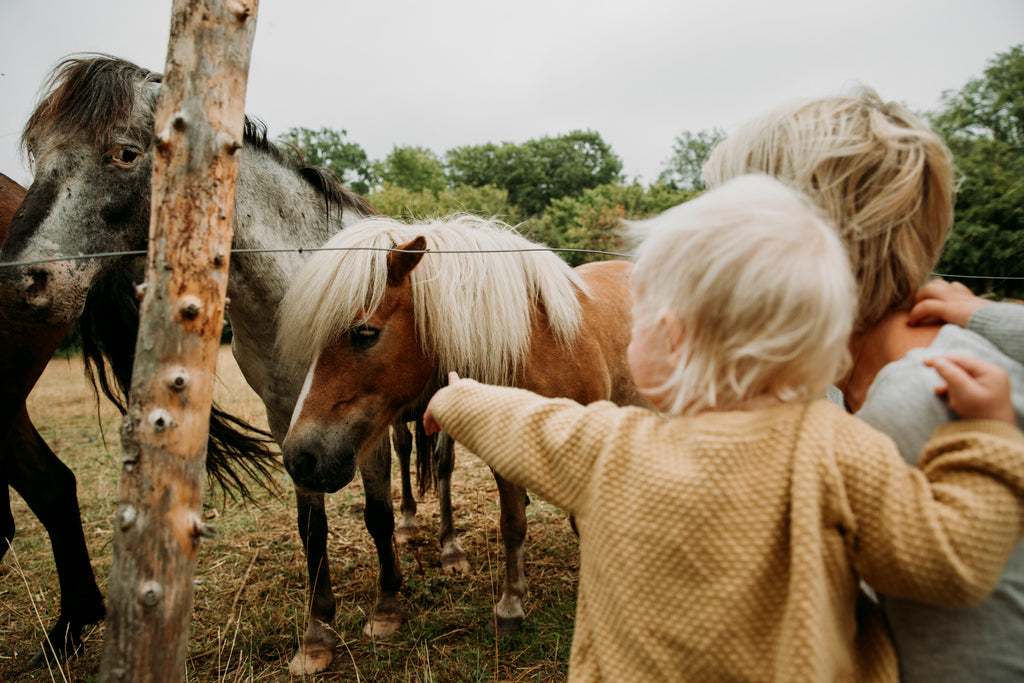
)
(387, 310)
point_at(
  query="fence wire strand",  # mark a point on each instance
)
(302, 250)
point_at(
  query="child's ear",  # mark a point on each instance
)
(673, 328)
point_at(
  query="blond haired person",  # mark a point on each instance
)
(724, 538)
(885, 181)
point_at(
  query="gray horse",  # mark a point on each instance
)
(90, 139)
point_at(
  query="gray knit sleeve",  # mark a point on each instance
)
(1003, 325)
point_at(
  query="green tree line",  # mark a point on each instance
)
(569, 191)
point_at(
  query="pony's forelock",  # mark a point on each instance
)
(97, 94)
(474, 311)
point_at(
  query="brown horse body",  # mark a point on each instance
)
(381, 364)
(29, 466)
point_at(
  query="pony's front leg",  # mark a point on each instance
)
(318, 642)
(508, 613)
(379, 516)
(453, 557)
(401, 441)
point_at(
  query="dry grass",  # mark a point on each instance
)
(249, 606)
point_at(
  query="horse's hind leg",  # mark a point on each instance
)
(509, 613)
(318, 643)
(453, 557)
(379, 516)
(401, 440)
(49, 488)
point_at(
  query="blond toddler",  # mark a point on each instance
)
(726, 536)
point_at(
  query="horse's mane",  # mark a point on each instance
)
(103, 97)
(322, 180)
(474, 311)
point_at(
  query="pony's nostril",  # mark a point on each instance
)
(37, 281)
(305, 464)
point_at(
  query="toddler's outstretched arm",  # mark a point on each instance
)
(974, 388)
(942, 301)
(430, 425)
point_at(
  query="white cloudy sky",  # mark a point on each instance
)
(447, 73)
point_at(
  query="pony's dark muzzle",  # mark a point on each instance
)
(317, 462)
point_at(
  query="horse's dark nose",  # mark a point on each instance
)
(304, 466)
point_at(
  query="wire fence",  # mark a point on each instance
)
(303, 250)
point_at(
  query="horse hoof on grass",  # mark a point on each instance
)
(45, 658)
(503, 627)
(311, 659)
(382, 625)
(386, 618)
(406, 532)
(454, 563)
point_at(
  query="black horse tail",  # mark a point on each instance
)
(238, 454)
(426, 458)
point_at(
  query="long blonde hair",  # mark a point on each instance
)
(473, 311)
(760, 288)
(881, 175)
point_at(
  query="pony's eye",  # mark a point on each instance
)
(124, 157)
(363, 337)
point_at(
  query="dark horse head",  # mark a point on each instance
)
(89, 141)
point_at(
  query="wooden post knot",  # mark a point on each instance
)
(240, 9)
(178, 379)
(150, 593)
(128, 516)
(190, 307)
(160, 420)
(228, 142)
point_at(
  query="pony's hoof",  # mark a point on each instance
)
(39, 660)
(315, 651)
(311, 659)
(406, 531)
(503, 627)
(48, 657)
(382, 625)
(454, 563)
(386, 618)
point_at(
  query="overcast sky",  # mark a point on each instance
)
(445, 73)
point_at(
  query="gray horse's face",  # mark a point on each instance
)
(82, 201)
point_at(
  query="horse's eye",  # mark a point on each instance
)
(364, 337)
(124, 157)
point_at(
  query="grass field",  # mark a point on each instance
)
(251, 585)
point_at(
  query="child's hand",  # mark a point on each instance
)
(974, 389)
(942, 301)
(430, 425)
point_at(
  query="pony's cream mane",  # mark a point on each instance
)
(473, 311)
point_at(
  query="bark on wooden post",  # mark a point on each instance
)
(158, 523)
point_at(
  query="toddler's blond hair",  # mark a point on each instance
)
(759, 286)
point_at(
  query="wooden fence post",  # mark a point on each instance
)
(158, 524)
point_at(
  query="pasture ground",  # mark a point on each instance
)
(251, 585)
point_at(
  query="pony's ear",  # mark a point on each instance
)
(402, 261)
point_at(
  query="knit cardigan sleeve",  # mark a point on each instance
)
(549, 446)
(940, 533)
(1003, 325)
